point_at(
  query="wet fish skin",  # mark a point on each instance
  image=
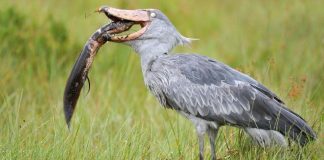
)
(80, 70)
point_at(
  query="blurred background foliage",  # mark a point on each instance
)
(280, 43)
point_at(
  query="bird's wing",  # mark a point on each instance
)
(213, 91)
(203, 70)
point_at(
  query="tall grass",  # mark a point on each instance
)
(280, 43)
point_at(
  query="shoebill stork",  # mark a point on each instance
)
(208, 92)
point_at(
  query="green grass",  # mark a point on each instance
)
(280, 43)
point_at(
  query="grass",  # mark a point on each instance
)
(280, 43)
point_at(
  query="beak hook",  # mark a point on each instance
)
(101, 9)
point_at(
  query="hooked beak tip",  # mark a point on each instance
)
(101, 9)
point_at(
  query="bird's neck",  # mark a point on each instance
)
(147, 59)
(150, 51)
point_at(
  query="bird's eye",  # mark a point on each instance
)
(153, 15)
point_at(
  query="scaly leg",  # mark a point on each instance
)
(212, 133)
(201, 146)
(201, 130)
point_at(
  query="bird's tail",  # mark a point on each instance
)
(295, 127)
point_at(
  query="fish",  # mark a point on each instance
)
(80, 70)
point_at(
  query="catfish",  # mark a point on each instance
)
(80, 70)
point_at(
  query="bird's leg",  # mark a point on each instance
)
(201, 146)
(212, 133)
(201, 130)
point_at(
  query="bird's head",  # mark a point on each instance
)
(155, 31)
